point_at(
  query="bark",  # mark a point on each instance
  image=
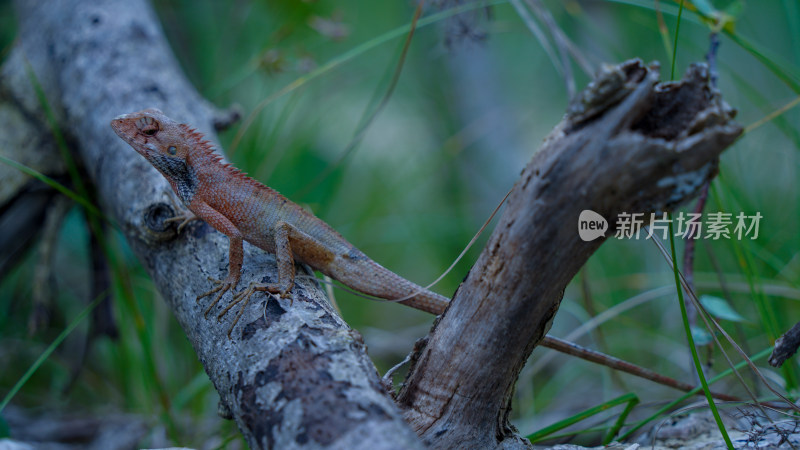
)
(627, 144)
(785, 346)
(295, 374)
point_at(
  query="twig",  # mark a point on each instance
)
(785, 346)
(624, 366)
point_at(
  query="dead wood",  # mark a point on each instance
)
(785, 346)
(627, 144)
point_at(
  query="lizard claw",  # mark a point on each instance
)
(221, 288)
(241, 297)
(184, 217)
(244, 296)
(184, 220)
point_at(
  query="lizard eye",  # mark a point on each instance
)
(172, 150)
(150, 131)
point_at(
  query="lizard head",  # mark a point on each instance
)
(166, 144)
(153, 134)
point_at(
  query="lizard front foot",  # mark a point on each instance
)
(244, 296)
(184, 219)
(221, 288)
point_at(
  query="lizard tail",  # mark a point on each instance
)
(364, 275)
(426, 300)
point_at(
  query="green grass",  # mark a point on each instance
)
(428, 170)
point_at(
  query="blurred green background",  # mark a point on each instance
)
(475, 97)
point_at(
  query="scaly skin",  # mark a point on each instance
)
(245, 210)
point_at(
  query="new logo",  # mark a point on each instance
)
(591, 225)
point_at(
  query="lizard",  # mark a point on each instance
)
(244, 209)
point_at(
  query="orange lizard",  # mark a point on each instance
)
(245, 210)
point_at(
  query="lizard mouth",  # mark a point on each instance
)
(127, 131)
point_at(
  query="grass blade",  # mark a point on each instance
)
(79, 199)
(630, 399)
(49, 350)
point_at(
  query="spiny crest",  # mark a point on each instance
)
(199, 141)
(204, 146)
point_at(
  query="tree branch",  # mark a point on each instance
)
(627, 144)
(295, 374)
